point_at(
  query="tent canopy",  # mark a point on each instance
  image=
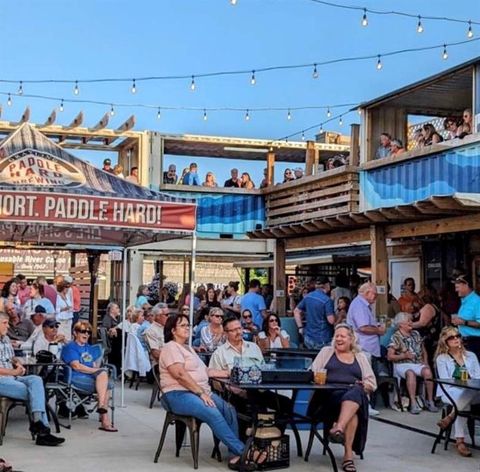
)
(49, 196)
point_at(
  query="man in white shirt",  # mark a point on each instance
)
(223, 359)
(154, 336)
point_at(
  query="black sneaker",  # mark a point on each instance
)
(48, 440)
(38, 428)
(63, 411)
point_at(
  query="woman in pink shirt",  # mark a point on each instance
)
(184, 381)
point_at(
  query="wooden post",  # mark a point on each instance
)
(279, 285)
(309, 157)
(271, 168)
(355, 145)
(379, 263)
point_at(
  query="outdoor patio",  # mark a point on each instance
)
(132, 448)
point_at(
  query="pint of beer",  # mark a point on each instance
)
(320, 377)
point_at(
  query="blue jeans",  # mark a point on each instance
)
(222, 418)
(314, 345)
(29, 388)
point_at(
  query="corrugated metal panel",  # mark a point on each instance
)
(227, 214)
(406, 182)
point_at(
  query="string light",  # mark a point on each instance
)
(247, 116)
(112, 111)
(233, 2)
(159, 113)
(61, 105)
(303, 135)
(205, 117)
(289, 115)
(134, 87)
(419, 25)
(20, 88)
(192, 83)
(445, 53)
(253, 80)
(329, 113)
(359, 111)
(470, 31)
(9, 100)
(321, 129)
(315, 71)
(379, 63)
(76, 90)
(340, 121)
(364, 18)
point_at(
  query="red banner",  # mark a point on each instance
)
(32, 207)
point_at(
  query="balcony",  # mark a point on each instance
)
(330, 193)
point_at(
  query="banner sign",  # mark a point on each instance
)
(37, 207)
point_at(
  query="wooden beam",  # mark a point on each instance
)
(455, 224)
(375, 216)
(355, 145)
(270, 167)
(26, 116)
(330, 239)
(102, 123)
(279, 279)
(309, 157)
(51, 119)
(127, 125)
(379, 263)
(77, 121)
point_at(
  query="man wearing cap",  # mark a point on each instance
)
(298, 172)
(107, 166)
(468, 319)
(319, 316)
(170, 176)
(37, 318)
(191, 177)
(48, 335)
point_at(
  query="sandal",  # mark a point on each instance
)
(348, 466)
(445, 422)
(463, 450)
(336, 437)
(108, 428)
(102, 409)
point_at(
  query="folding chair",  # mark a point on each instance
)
(66, 391)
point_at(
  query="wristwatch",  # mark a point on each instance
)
(466, 323)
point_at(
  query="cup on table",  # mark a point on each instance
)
(27, 357)
(320, 377)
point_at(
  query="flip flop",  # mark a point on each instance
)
(102, 410)
(349, 466)
(108, 429)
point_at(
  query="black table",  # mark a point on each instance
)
(470, 384)
(297, 418)
(293, 352)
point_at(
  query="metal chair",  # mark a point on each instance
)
(6, 404)
(156, 393)
(181, 424)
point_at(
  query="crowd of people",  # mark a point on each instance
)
(426, 135)
(118, 171)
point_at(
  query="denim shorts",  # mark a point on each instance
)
(86, 383)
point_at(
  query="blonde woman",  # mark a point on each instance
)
(346, 408)
(210, 180)
(451, 356)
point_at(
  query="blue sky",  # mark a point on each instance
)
(80, 39)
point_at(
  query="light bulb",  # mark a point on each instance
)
(61, 105)
(159, 113)
(289, 115)
(112, 111)
(192, 83)
(76, 90)
(445, 53)
(329, 113)
(20, 88)
(253, 80)
(303, 135)
(134, 87)
(247, 116)
(315, 71)
(419, 25)
(470, 31)
(205, 117)
(340, 121)
(359, 111)
(233, 2)
(9, 101)
(321, 129)
(364, 18)
(379, 63)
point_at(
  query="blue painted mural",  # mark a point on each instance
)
(445, 173)
(227, 214)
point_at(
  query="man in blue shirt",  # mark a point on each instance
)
(468, 319)
(254, 302)
(319, 316)
(191, 177)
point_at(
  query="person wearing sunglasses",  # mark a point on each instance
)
(250, 329)
(86, 375)
(288, 176)
(451, 357)
(272, 335)
(212, 335)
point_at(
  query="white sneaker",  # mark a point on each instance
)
(372, 411)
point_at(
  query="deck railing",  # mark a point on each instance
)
(329, 193)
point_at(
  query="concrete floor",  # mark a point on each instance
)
(389, 448)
